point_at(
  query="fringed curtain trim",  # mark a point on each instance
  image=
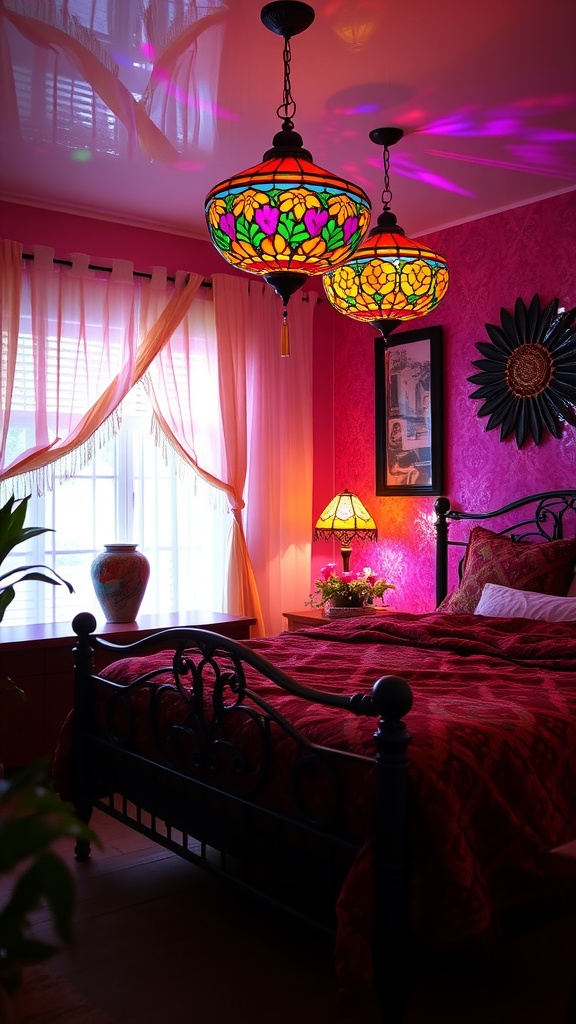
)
(42, 478)
(176, 457)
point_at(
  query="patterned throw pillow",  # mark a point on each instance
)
(546, 568)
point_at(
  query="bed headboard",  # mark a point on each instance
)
(541, 518)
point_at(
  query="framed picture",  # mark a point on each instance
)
(409, 412)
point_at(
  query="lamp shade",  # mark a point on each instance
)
(345, 517)
(389, 279)
(286, 216)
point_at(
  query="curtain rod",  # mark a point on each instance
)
(136, 273)
(107, 270)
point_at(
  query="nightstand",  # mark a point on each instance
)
(315, 617)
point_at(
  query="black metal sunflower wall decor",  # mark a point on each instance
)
(528, 374)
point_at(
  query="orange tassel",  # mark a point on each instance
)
(285, 337)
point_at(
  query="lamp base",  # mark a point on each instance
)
(345, 551)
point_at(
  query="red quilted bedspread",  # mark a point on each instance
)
(493, 753)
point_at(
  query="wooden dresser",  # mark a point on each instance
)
(39, 660)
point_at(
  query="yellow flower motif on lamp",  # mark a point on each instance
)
(248, 203)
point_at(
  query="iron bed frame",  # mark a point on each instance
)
(223, 827)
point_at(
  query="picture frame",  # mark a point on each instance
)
(409, 441)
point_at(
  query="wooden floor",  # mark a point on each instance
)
(158, 941)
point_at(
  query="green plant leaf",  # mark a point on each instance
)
(49, 879)
(12, 533)
(54, 579)
(7, 595)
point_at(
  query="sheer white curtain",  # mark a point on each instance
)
(77, 355)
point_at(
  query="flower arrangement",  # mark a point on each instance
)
(352, 588)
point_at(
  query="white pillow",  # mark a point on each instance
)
(505, 602)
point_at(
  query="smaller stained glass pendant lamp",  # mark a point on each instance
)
(390, 278)
(286, 219)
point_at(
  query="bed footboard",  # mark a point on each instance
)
(232, 784)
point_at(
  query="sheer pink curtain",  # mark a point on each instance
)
(259, 430)
(197, 387)
(78, 354)
(10, 288)
(278, 497)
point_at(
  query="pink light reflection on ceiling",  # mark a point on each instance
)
(406, 168)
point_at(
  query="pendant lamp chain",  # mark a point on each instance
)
(286, 112)
(287, 109)
(386, 192)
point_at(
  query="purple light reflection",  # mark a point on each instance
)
(407, 169)
(361, 108)
(543, 167)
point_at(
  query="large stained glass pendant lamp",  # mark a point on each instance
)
(286, 219)
(390, 278)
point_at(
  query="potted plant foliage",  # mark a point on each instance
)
(32, 818)
(12, 533)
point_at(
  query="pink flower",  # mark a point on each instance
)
(228, 225)
(350, 226)
(267, 218)
(315, 221)
(347, 577)
(328, 570)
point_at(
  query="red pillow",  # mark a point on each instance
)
(545, 567)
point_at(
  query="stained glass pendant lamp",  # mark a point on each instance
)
(345, 517)
(286, 219)
(390, 278)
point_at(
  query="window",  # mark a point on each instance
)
(132, 489)
(129, 491)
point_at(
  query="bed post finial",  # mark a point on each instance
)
(83, 625)
(441, 508)
(392, 699)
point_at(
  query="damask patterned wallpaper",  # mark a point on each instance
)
(516, 254)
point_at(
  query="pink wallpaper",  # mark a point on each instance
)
(493, 262)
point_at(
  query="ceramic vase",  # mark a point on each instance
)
(119, 576)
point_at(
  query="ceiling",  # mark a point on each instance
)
(134, 117)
